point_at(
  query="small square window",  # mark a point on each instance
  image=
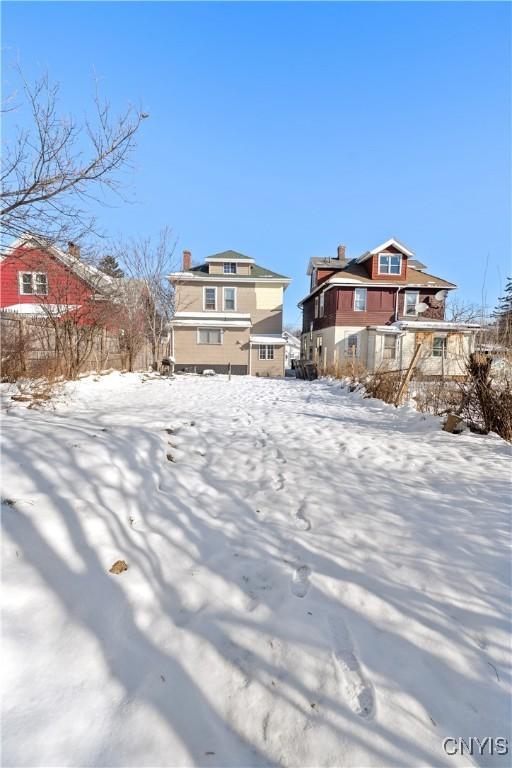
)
(390, 264)
(230, 268)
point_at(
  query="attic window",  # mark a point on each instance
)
(390, 264)
(230, 268)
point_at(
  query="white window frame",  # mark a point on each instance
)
(321, 305)
(33, 283)
(417, 295)
(394, 339)
(229, 264)
(229, 288)
(311, 331)
(210, 343)
(444, 347)
(316, 306)
(266, 351)
(209, 288)
(348, 351)
(387, 269)
(364, 291)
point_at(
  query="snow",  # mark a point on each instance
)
(313, 579)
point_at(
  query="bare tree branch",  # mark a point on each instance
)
(50, 168)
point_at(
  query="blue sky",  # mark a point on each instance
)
(283, 129)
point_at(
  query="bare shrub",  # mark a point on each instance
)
(438, 397)
(486, 398)
(383, 385)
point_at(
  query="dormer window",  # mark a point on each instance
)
(390, 264)
(230, 268)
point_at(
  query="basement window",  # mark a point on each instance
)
(33, 283)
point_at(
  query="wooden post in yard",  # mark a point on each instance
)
(353, 360)
(407, 377)
(229, 371)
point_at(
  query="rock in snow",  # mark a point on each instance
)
(314, 579)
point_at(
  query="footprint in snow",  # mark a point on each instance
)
(300, 581)
(356, 689)
(301, 521)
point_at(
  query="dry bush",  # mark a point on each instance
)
(383, 385)
(486, 398)
(438, 397)
(345, 369)
(15, 350)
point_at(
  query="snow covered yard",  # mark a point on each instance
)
(313, 579)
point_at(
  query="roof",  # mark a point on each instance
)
(87, 272)
(256, 271)
(382, 247)
(229, 256)
(267, 338)
(356, 274)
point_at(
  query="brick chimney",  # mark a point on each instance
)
(341, 253)
(74, 250)
(187, 261)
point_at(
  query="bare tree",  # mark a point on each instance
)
(147, 263)
(52, 164)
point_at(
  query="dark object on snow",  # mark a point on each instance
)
(166, 366)
(119, 566)
(306, 369)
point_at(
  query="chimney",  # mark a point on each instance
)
(187, 261)
(74, 250)
(341, 253)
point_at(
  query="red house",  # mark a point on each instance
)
(37, 278)
(375, 309)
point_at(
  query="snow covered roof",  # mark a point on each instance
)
(436, 325)
(40, 309)
(268, 338)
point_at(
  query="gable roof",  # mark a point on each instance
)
(382, 247)
(87, 272)
(256, 271)
(229, 256)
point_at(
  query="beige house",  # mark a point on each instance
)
(228, 315)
